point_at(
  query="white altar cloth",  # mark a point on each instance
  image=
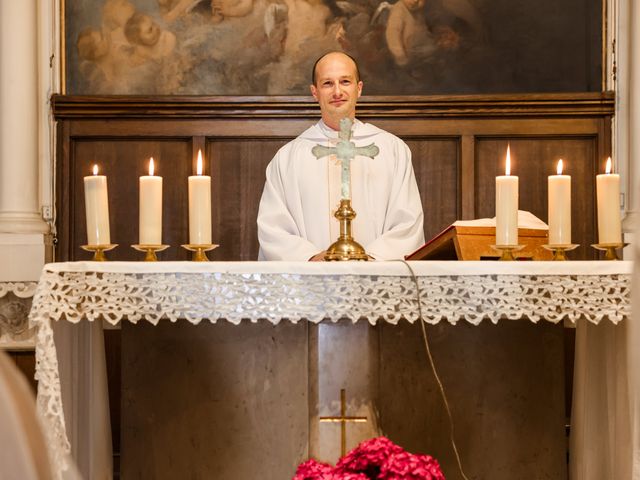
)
(275, 291)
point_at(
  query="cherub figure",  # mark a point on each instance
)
(221, 9)
(96, 62)
(407, 34)
(115, 14)
(148, 40)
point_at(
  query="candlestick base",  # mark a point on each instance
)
(506, 251)
(345, 248)
(199, 254)
(98, 251)
(150, 251)
(559, 250)
(610, 249)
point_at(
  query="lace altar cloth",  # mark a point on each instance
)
(293, 291)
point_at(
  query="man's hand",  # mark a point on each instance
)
(318, 257)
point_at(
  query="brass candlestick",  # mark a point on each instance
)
(150, 251)
(98, 251)
(559, 250)
(345, 248)
(199, 251)
(610, 249)
(506, 251)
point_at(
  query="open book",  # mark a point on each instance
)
(473, 240)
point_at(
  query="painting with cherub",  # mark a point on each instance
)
(267, 47)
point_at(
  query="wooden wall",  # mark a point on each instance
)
(458, 146)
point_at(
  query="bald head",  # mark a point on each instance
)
(330, 56)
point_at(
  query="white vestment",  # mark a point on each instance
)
(301, 193)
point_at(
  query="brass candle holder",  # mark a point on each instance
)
(611, 249)
(345, 248)
(150, 251)
(199, 251)
(559, 250)
(98, 251)
(506, 251)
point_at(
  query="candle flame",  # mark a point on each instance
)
(151, 167)
(608, 167)
(507, 170)
(95, 169)
(559, 168)
(199, 167)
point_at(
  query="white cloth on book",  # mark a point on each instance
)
(295, 219)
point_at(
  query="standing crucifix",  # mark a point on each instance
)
(345, 248)
(345, 151)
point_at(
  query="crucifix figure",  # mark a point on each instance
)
(345, 248)
(343, 419)
(345, 151)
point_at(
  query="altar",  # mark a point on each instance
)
(291, 318)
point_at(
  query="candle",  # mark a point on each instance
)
(150, 220)
(96, 202)
(199, 206)
(559, 208)
(608, 198)
(507, 206)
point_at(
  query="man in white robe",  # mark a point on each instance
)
(301, 193)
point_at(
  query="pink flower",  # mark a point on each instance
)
(375, 459)
(407, 466)
(368, 457)
(313, 470)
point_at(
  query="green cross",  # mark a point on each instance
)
(345, 151)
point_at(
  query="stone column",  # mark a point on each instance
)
(633, 90)
(19, 202)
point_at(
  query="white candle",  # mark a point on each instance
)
(559, 208)
(150, 208)
(96, 202)
(608, 196)
(199, 206)
(507, 206)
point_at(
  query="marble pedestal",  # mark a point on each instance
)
(242, 402)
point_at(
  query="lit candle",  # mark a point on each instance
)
(199, 206)
(150, 208)
(608, 196)
(96, 202)
(559, 208)
(507, 206)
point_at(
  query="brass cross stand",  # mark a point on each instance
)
(345, 248)
(342, 420)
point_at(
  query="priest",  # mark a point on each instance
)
(301, 193)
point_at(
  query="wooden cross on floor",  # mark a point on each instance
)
(343, 419)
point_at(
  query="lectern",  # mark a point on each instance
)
(462, 242)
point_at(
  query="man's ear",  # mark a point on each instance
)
(360, 88)
(314, 91)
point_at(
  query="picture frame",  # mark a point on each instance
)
(268, 47)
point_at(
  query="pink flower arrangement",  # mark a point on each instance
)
(375, 459)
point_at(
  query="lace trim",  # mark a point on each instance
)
(19, 289)
(274, 297)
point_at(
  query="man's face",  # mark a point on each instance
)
(337, 89)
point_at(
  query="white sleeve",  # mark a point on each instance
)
(403, 226)
(278, 233)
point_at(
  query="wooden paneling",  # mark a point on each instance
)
(238, 170)
(436, 165)
(458, 145)
(533, 159)
(124, 160)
